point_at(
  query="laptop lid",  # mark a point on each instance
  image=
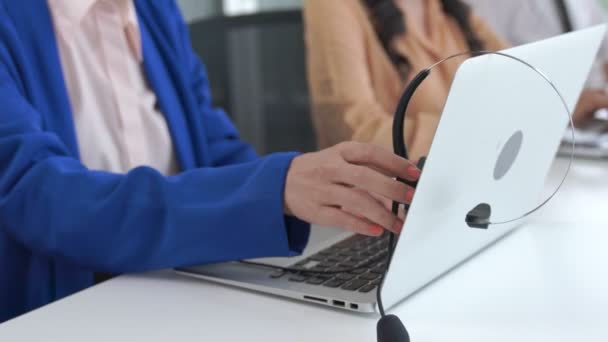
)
(492, 98)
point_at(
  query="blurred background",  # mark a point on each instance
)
(255, 56)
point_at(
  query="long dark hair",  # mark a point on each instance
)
(389, 23)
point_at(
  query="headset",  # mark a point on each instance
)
(389, 327)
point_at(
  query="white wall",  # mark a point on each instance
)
(280, 4)
(196, 9)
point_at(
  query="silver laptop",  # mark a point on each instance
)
(591, 139)
(480, 115)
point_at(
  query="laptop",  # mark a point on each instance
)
(481, 114)
(591, 140)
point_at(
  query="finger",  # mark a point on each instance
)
(374, 182)
(600, 100)
(359, 202)
(589, 102)
(377, 169)
(580, 118)
(387, 203)
(335, 217)
(380, 158)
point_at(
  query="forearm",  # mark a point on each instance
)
(143, 220)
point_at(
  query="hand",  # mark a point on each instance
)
(591, 100)
(342, 187)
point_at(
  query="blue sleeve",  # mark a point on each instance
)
(225, 145)
(52, 205)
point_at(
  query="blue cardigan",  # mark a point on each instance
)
(59, 221)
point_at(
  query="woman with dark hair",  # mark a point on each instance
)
(362, 53)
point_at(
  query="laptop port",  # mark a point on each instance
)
(315, 299)
(338, 303)
(354, 306)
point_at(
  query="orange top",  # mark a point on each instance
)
(355, 87)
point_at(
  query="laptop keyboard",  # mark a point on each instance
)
(368, 253)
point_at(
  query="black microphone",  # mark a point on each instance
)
(479, 217)
(390, 329)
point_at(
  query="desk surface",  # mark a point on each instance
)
(584, 196)
(546, 281)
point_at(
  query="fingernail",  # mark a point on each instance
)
(376, 230)
(398, 226)
(409, 196)
(413, 172)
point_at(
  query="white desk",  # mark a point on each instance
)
(584, 196)
(545, 282)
